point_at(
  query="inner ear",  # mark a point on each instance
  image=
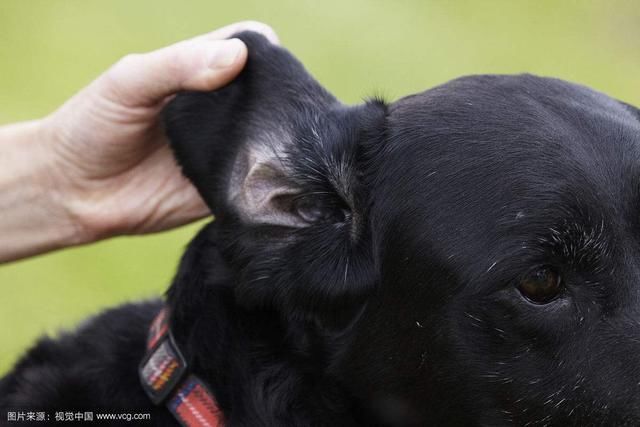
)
(263, 190)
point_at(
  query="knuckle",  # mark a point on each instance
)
(115, 86)
(126, 62)
(173, 62)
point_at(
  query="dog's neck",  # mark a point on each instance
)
(254, 363)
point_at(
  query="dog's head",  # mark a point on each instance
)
(476, 247)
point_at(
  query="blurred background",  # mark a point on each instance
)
(357, 48)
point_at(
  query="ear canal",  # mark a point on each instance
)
(232, 143)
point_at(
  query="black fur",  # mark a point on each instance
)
(381, 288)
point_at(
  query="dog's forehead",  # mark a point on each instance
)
(523, 114)
(482, 152)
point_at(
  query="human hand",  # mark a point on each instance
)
(115, 172)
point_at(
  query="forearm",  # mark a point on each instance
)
(33, 218)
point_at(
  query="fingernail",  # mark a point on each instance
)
(226, 54)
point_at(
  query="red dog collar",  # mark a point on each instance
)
(165, 378)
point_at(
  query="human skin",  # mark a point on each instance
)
(100, 166)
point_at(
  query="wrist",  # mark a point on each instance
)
(56, 177)
(70, 193)
(36, 217)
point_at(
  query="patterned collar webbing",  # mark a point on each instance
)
(165, 378)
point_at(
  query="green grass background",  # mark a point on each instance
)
(50, 49)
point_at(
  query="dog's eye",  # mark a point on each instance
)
(541, 286)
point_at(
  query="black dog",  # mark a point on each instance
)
(465, 256)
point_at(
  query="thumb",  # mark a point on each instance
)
(139, 80)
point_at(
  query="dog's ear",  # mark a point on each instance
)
(234, 143)
(276, 158)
